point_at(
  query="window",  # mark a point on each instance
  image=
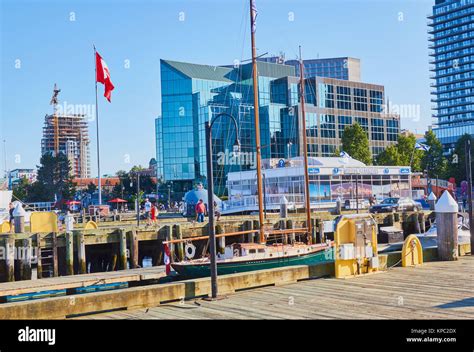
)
(376, 101)
(328, 126)
(377, 130)
(344, 98)
(360, 99)
(342, 123)
(392, 130)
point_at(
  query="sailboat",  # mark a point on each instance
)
(241, 257)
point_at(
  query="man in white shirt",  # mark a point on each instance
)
(147, 211)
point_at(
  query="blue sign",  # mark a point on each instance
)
(313, 170)
(386, 171)
(405, 170)
(281, 163)
(336, 170)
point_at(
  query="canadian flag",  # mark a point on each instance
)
(167, 258)
(103, 76)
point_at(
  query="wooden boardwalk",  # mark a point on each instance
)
(436, 290)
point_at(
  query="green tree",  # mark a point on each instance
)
(54, 179)
(433, 160)
(22, 189)
(458, 170)
(389, 156)
(356, 143)
(402, 154)
(91, 188)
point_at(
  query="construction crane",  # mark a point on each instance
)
(54, 102)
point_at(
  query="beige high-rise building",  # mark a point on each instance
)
(72, 139)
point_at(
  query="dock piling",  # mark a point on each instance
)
(69, 253)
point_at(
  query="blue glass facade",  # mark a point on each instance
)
(452, 49)
(344, 68)
(192, 94)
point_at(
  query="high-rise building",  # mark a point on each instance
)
(72, 138)
(192, 94)
(452, 50)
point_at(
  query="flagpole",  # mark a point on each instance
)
(99, 186)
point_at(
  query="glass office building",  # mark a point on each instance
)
(452, 50)
(192, 94)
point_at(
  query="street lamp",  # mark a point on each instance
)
(210, 194)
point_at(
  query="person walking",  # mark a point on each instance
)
(154, 211)
(147, 211)
(12, 218)
(200, 210)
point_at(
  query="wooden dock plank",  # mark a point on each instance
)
(436, 290)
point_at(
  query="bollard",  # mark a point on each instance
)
(169, 237)
(446, 222)
(25, 259)
(421, 221)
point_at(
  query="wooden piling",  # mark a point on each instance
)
(123, 249)
(39, 264)
(81, 252)
(25, 259)
(10, 257)
(282, 226)
(178, 234)
(169, 237)
(421, 221)
(55, 254)
(220, 240)
(291, 225)
(69, 253)
(133, 249)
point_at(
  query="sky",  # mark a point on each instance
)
(47, 42)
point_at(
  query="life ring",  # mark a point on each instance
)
(190, 250)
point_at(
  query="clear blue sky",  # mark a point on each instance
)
(389, 36)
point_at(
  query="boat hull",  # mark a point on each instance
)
(202, 270)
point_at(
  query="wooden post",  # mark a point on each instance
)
(133, 249)
(178, 234)
(446, 222)
(313, 232)
(123, 249)
(25, 259)
(220, 240)
(248, 225)
(10, 257)
(81, 252)
(69, 253)
(169, 237)
(290, 225)
(55, 254)
(421, 221)
(39, 264)
(282, 226)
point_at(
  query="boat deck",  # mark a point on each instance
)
(436, 290)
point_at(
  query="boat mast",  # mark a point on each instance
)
(253, 14)
(305, 152)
